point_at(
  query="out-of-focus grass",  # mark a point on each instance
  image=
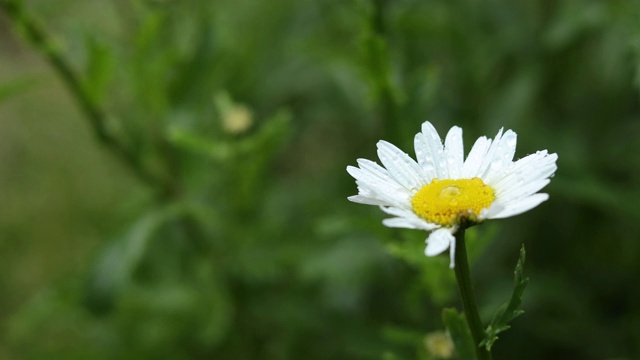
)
(243, 246)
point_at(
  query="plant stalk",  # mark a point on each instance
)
(37, 36)
(468, 297)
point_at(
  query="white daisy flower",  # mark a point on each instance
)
(443, 192)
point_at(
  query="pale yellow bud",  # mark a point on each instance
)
(439, 345)
(237, 119)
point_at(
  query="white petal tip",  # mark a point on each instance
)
(438, 242)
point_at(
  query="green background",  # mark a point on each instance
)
(173, 237)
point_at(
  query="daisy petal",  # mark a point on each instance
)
(486, 161)
(399, 223)
(377, 187)
(521, 206)
(454, 152)
(452, 254)
(423, 156)
(472, 164)
(400, 166)
(374, 168)
(500, 159)
(366, 175)
(438, 241)
(430, 152)
(490, 212)
(523, 191)
(410, 216)
(360, 199)
(399, 212)
(526, 172)
(407, 224)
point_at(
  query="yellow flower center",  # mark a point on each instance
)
(448, 202)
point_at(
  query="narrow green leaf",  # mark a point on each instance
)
(458, 328)
(509, 310)
(99, 68)
(120, 259)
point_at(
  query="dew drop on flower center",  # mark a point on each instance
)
(448, 202)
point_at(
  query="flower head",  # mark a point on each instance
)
(442, 191)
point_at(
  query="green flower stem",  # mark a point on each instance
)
(469, 303)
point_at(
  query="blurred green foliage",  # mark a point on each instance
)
(187, 199)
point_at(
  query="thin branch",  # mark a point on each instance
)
(37, 36)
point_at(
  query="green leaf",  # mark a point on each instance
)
(507, 311)
(99, 68)
(458, 328)
(114, 269)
